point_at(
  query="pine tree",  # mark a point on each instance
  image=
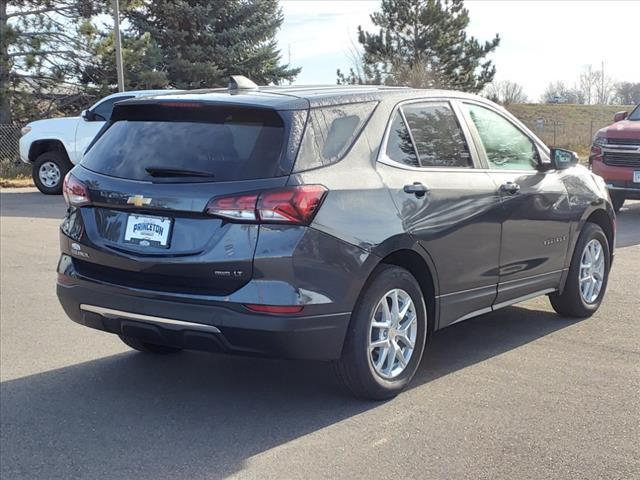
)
(202, 42)
(140, 55)
(423, 43)
(42, 47)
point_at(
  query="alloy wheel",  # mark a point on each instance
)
(393, 333)
(592, 267)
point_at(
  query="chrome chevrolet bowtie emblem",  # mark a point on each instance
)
(138, 200)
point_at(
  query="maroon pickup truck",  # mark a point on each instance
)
(615, 156)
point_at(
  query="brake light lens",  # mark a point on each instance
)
(289, 205)
(75, 192)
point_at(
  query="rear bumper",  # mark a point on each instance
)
(204, 326)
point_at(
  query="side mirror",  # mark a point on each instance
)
(619, 116)
(561, 158)
(87, 115)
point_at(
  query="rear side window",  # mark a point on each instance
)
(229, 145)
(105, 108)
(438, 137)
(330, 133)
(399, 145)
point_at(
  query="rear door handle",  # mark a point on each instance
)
(417, 188)
(510, 187)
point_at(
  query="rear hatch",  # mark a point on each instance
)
(142, 193)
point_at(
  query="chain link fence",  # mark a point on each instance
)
(577, 136)
(10, 164)
(565, 125)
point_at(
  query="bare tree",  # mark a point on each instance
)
(603, 87)
(505, 92)
(586, 83)
(559, 92)
(627, 93)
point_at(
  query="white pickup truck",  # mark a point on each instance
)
(53, 146)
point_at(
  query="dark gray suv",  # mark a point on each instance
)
(331, 223)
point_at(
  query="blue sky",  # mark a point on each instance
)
(541, 40)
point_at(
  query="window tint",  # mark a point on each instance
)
(105, 108)
(437, 135)
(330, 132)
(399, 146)
(232, 149)
(506, 146)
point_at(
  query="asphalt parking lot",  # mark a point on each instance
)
(519, 393)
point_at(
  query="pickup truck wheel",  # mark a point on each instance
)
(386, 336)
(146, 347)
(588, 275)
(49, 171)
(617, 201)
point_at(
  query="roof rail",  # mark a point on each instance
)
(240, 82)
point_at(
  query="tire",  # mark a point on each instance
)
(355, 369)
(146, 347)
(617, 201)
(571, 303)
(49, 170)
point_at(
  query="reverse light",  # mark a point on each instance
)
(75, 192)
(289, 205)
(234, 207)
(24, 130)
(276, 309)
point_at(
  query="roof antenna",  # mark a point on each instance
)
(240, 82)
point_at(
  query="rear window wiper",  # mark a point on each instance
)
(176, 172)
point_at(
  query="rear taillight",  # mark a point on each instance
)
(75, 192)
(289, 205)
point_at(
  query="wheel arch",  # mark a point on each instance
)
(39, 147)
(604, 221)
(416, 264)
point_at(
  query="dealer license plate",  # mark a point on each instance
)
(146, 231)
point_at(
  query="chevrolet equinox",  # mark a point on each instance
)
(344, 224)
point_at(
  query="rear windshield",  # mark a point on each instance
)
(240, 145)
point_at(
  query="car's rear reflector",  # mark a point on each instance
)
(289, 205)
(278, 309)
(75, 192)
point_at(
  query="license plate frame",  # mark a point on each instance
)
(148, 230)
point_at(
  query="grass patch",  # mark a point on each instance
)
(566, 126)
(17, 182)
(15, 174)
